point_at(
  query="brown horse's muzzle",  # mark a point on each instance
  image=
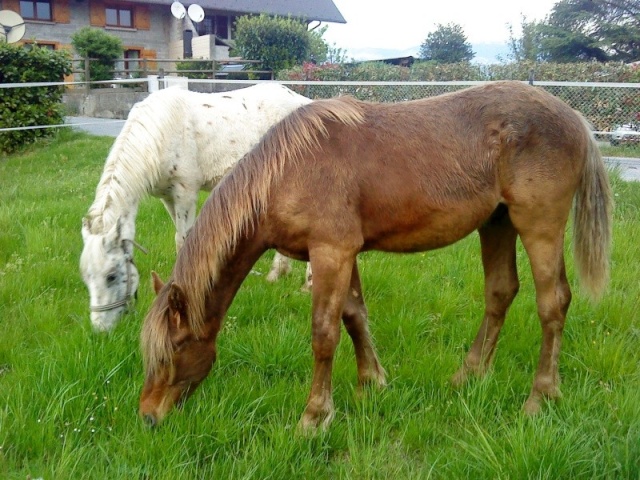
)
(156, 403)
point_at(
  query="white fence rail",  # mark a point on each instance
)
(605, 105)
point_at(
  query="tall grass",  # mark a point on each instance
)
(68, 397)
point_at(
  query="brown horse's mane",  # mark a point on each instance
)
(233, 206)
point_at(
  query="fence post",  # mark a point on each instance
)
(87, 75)
(145, 74)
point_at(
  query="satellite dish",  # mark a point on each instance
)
(178, 10)
(12, 26)
(196, 13)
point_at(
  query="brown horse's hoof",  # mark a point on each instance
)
(309, 425)
(533, 405)
(459, 378)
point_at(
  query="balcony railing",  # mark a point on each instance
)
(143, 67)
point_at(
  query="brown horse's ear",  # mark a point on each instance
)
(177, 301)
(157, 282)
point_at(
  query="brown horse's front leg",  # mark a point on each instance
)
(332, 272)
(355, 321)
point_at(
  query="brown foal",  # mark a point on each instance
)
(338, 177)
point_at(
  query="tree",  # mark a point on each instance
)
(278, 42)
(318, 48)
(526, 47)
(104, 49)
(447, 44)
(601, 30)
(321, 51)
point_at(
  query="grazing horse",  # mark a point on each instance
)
(173, 144)
(505, 159)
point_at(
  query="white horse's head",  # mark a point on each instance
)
(108, 271)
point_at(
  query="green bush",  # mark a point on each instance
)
(104, 49)
(30, 106)
(604, 107)
(203, 67)
(278, 42)
(464, 71)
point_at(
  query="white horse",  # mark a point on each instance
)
(173, 144)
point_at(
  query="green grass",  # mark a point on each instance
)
(69, 397)
(621, 151)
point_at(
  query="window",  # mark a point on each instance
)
(119, 17)
(29, 45)
(36, 9)
(129, 66)
(222, 26)
(218, 25)
(131, 62)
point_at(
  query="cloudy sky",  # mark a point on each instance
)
(398, 27)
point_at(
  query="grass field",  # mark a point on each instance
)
(69, 397)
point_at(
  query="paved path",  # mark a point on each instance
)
(97, 126)
(629, 167)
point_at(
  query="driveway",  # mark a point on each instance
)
(629, 167)
(97, 126)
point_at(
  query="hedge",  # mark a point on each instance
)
(430, 71)
(604, 107)
(30, 106)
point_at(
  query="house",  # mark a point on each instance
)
(148, 29)
(399, 61)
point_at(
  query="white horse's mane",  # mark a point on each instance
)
(132, 167)
(192, 138)
(174, 144)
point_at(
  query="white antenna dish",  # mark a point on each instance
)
(12, 26)
(178, 10)
(196, 13)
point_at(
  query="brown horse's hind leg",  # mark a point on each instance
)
(553, 297)
(332, 275)
(354, 317)
(498, 242)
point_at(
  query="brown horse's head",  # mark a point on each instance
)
(177, 359)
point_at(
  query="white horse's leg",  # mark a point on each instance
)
(182, 209)
(281, 266)
(185, 214)
(308, 279)
(170, 207)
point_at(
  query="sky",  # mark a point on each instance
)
(380, 29)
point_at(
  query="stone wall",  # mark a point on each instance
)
(102, 103)
(117, 102)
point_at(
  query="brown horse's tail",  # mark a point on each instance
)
(592, 222)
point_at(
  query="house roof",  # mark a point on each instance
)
(320, 10)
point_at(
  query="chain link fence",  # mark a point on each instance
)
(606, 106)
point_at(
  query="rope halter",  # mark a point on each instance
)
(126, 300)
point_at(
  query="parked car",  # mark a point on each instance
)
(627, 134)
